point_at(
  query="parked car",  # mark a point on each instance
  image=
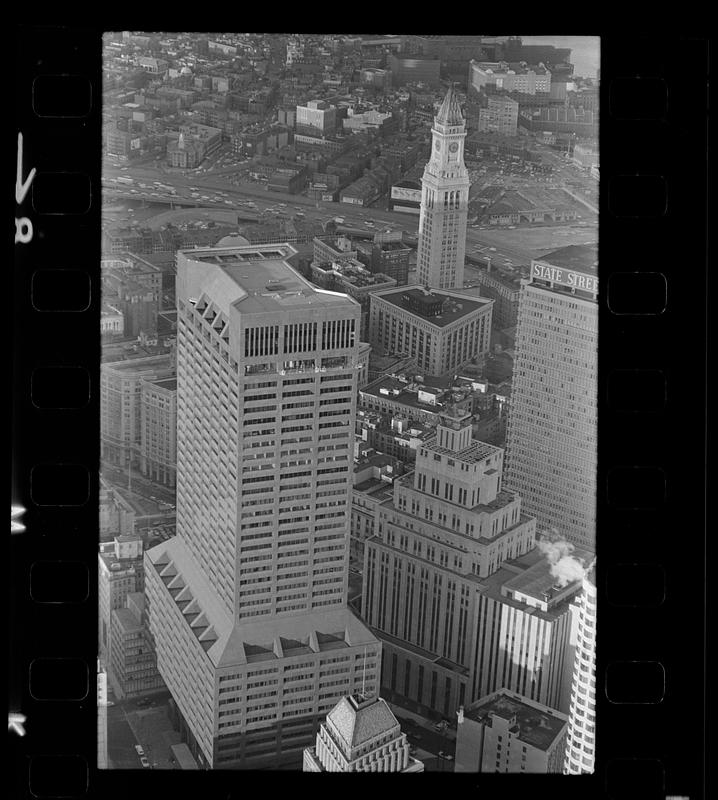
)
(140, 751)
(145, 763)
(446, 756)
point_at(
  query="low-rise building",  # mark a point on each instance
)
(406, 196)
(354, 279)
(117, 515)
(373, 477)
(509, 77)
(361, 192)
(112, 321)
(507, 732)
(120, 572)
(500, 116)
(388, 255)
(133, 663)
(396, 435)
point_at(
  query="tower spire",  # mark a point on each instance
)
(450, 110)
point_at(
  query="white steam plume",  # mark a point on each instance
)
(565, 568)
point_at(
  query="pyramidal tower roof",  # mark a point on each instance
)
(450, 111)
(357, 720)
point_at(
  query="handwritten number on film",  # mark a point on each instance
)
(23, 225)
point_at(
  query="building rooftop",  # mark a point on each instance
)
(579, 257)
(164, 361)
(126, 620)
(257, 277)
(454, 306)
(476, 451)
(536, 725)
(358, 720)
(166, 383)
(537, 582)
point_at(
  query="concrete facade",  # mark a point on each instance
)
(462, 600)
(247, 604)
(551, 429)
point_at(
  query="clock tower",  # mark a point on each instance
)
(444, 202)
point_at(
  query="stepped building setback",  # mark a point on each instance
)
(462, 600)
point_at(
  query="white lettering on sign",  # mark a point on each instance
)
(576, 280)
(23, 225)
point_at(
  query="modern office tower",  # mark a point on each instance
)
(440, 330)
(551, 434)
(453, 586)
(102, 762)
(581, 742)
(506, 732)
(444, 202)
(247, 604)
(360, 734)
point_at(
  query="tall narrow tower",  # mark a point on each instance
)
(444, 201)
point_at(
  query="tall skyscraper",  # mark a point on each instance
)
(551, 433)
(463, 602)
(360, 734)
(444, 202)
(581, 743)
(247, 604)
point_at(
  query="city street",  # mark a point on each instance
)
(144, 489)
(129, 725)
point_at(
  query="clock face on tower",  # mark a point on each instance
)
(453, 147)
